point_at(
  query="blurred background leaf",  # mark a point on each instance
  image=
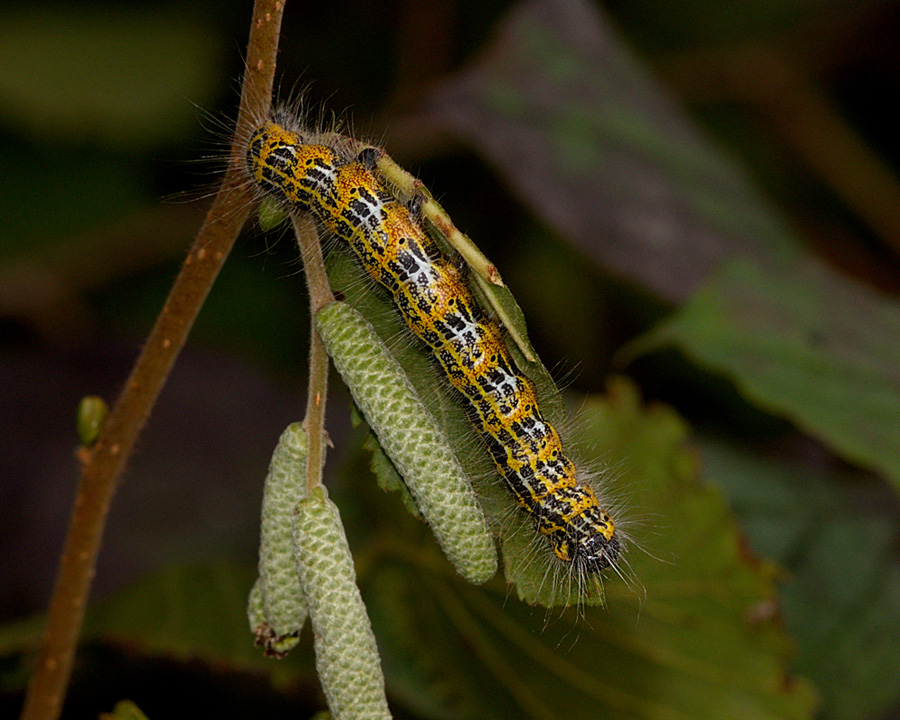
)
(802, 342)
(113, 76)
(702, 195)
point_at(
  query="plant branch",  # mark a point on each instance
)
(105, 461)
(319, 296)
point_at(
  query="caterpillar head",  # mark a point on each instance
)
(596, 553)
(595, 546)
(281, 162)
(270, 154)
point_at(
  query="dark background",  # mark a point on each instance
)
(113, 122)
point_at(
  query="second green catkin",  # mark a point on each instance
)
(277, 610)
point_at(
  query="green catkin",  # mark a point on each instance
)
(411, 438)
(256, 608)
(283, 607)
(346, 655)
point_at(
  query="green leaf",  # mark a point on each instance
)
(804, 343)
(681, 640)
(841, 600)
(677, 641)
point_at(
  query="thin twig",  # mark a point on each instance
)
(319, 296)
(104, 463)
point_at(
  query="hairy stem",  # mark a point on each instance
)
(319, 296)
(104, 463)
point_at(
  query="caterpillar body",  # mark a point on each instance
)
(343, 192)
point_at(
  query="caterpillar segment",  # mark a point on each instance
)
(432, 296)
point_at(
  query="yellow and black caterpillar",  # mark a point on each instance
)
(342, 191)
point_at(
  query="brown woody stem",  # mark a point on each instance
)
(104, 463)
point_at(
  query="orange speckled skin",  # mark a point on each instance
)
(434, 300)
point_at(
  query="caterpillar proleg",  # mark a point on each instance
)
(342, 190)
